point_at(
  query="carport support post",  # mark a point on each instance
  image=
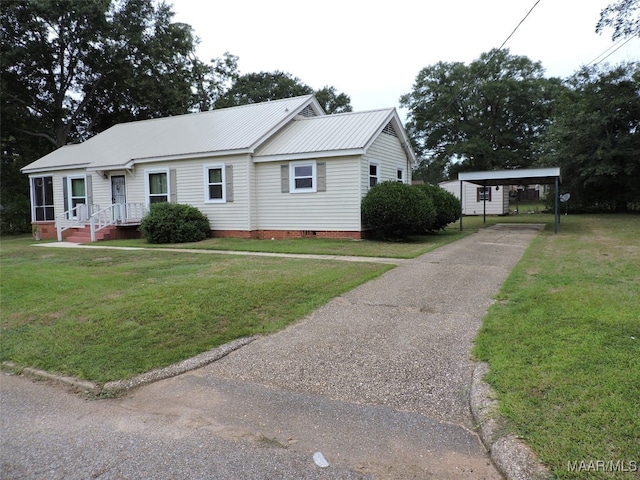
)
(484, 202)
(555, 226)
(461, 213)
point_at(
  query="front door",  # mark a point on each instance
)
(118, 191)
(118, 195)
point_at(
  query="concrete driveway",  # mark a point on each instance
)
(377, 381)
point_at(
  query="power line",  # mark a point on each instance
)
(514, 31)
(595, 61)
(518, 26)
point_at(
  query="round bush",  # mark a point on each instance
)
(174, 223)
(396, 210)
(447, 206)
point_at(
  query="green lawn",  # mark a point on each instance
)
(110, 314)
(562, 339)
(563, 343)
(412, 248)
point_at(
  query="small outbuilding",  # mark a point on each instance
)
(477, 199)
(504, 178)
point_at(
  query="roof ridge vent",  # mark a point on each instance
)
(389, 130)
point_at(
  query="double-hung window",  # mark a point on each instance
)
(302, 177)
(374, 174)
(78, 192)
(76, 201)
(215, 183)
(42, 192)
(157, 186)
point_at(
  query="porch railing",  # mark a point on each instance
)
(97, 219)
(77, 217)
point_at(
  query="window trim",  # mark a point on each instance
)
(377, 175)
(45, 208)
(71, 197)
(401, 175)
(147, 193)
(481, 194)
(207, 198)
(314, 177)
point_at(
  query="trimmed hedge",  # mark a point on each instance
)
(396, 210)
(174, 223)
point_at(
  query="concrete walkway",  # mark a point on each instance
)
(378, 380)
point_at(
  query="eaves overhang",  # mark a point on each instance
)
(527, 176)
(50, 169)
(308, 155)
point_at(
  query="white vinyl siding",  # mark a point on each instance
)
(471, 205)
(387, 152)
(336, 208)
(190, 189)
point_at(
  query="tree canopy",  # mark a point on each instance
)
(623, 16)
(595, 137)
(265, 86)
(72, 68)
(481, 116)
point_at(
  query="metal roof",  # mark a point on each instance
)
(346, 133)
(529, 176)
(228, 130)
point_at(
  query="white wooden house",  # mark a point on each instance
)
(474, 196)
(276, 169)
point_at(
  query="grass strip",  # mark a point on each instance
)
(563, 344)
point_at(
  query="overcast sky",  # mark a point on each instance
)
(372, 50)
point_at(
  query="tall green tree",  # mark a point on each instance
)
(265, 86)
(595, 137)
(72, 68)
(76, 67)
(332, 101)
(481, 116)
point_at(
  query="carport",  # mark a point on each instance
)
(529, 176)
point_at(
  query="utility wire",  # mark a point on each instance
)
(613, 45)
(595, 61)
(518, 26)
(467, 83)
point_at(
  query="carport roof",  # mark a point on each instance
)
(529, 176)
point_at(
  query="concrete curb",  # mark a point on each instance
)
(113, 388)
(117, 387)
(512, 457)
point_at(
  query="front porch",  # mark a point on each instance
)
(89, 223)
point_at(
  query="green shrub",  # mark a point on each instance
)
(174, 223)
(447, 206)
(396, 210)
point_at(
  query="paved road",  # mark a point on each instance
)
(377, 380)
